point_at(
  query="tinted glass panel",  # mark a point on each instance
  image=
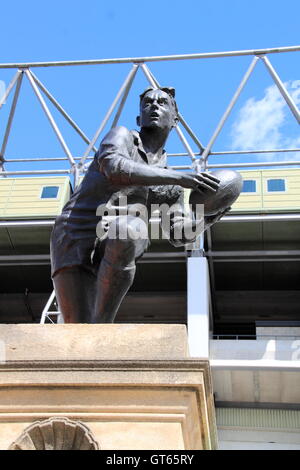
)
(249, 186)
(276, 185)
(49, 192)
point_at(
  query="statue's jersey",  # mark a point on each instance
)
(106, 182)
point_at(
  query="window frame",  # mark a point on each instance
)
(250, 192)
(50, 198)
(276, 192)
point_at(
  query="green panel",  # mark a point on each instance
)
(257, 275)
(31, 240)
(237, 236)
(16, 279)
(282, 275)
(160, 277)
(282, 235)
(5, 243)
(239, 276)
(249, 306)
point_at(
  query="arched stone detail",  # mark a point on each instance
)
(56, 433)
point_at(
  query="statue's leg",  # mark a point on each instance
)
(75, 294)
(117, 268)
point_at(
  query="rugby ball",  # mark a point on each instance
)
(229, 190)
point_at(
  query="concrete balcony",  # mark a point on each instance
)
(262, 371)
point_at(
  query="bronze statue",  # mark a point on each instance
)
(92, 274)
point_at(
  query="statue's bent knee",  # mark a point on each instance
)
(127, 238)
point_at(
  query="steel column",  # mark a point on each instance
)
(198, 295)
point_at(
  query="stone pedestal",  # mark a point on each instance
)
(131, 386)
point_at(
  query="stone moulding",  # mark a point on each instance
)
(168, 394)
(57, 433)
(134, 386)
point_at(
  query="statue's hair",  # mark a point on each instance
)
(170, 91)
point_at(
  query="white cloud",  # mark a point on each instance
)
(260, 122)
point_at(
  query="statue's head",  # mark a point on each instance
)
(158, 108)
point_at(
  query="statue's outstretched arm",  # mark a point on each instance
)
(116, 164)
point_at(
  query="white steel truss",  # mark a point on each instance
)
(199, 158)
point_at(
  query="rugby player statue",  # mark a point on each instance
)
(93, 255)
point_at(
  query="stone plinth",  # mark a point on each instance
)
(132, 386)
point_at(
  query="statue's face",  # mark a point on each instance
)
(157, 111)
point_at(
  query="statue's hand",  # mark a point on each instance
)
(201, 182)
(212, 219)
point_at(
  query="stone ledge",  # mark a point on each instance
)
(33, 342)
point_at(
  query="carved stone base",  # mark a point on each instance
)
(146, 396)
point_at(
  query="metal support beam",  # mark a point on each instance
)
(244, 152)
(252, 253)
(26, 223)
(109, 113)
(204, 55)
(61, 109)
(9, 88)
(260, 218)
(198, 294)
(125, 95)
(255, 165)
(290, 102)
(24, 260)
(47, 308)
(11, 116)
(229, 108)
(50, 117)
(256, 260)
(76, 174)
(36, 172)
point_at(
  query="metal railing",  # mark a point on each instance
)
(199, 157)
(265, 337)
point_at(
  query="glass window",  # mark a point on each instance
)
(249, 186)
(49, 192)
(276, 185)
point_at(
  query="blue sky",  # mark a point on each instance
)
(94, 29)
